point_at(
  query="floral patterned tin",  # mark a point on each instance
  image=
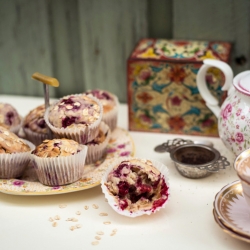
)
(162, 91)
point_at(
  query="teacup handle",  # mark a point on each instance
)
(211, 102)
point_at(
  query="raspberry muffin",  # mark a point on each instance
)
(97, 147)
(110, 105)
(9, 118)
(59, 161)
(34, 125)
(14, 154)
(136, 186)
(75, 117)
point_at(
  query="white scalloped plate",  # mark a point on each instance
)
(120, 144)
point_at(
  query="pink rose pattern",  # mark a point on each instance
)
(234, 124)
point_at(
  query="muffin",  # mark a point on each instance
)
(9, 117)
(14, 154)
(34, 125)
(136, 186)
(75, 117)
(59, 161)
(97, 147)
(110, 105)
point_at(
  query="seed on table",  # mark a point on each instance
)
(95, 242)
(114, 230)
(78, 225)
(98, 238)
(54, 224)
(78, 212)
(57, 217)
(69, 219)
(100, 233)
(106, 222)
(74, 219)
(103, 214)
(113, 233)
(86, 207)
(62, 205)
(95, 206)
(72, 228)
(51, 219)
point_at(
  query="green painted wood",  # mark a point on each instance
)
(109, 31)
(24, 46)
(215, 20)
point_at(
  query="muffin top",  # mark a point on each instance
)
(9, 116)
(107, 99)
(137, 185)
(75, 111)
(57, 147)
(34, 120)
(11, 143)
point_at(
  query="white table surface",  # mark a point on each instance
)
(185, 223)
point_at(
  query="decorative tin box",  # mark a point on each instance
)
(162, 92)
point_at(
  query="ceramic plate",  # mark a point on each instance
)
(120, 145)
(232, 209)
(228, 231)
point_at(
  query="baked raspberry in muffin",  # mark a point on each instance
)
(76, 117)
(59, 161)
(14, 154)
(110, 105)
(34, 125)
(136, 186)
(9, 117)
(97, 147)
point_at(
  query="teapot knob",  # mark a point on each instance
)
(211, 102)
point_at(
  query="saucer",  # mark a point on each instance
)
(232, 210)
(228, 231)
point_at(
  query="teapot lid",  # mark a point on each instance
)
(242, 82)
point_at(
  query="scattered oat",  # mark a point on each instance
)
(51, 219)
(100, 233)
(62, 205)
(86, 207)
(78, 225)
(69, 219)
(114, 230)
(103, 214)
(106, 222)
(57, 217)
(54, 224)
(72, 228)
(95, 242)
(74, 219)
(95, 206)
(98, 238)
(78, 212)
(113, 233)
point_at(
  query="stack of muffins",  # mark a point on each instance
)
(73, 131)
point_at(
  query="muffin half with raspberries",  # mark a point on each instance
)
(59, 161)
(14, 154)
(75, 117)
(134, 186)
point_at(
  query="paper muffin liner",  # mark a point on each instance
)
(111, 117)
(80, 134)
(111, 198)
(97, 151)
(61, 170)
(13, 165)
(34, 137)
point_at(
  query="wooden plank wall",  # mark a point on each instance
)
(85, 44)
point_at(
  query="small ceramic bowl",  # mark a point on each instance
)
(197, 160)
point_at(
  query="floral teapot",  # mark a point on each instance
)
(234, 114)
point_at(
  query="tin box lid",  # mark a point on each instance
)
(181, 50)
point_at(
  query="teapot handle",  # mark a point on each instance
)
(211, 102)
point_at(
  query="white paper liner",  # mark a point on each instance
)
(97, 151)
(80, 134)
(111, 117)
(55, 171)
(111, 199)
(13, 165)
(34, 137)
